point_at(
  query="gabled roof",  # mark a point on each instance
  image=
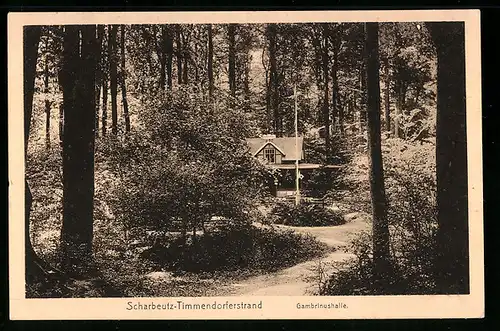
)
(285, 145)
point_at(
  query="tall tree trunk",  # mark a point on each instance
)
(386, 96)
(47, 103)
(113, 78)
(185, 70)
(398, 112)
(170, 51)
(210, 62)
(61, 123)
(178, 53)
(104, 105)
(31, 36)
(452, 255)
(335, 90)
(363, 99)
(381, 252)
(79, 65)
(232, 59)
(123, 80)
(273, 78)
(99, 74)
(163, 58)
(326, 106)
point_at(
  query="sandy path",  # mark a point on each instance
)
(302, 278)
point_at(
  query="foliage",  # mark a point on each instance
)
(412, 216)
(305, 214)
(186, 163)
(237, 247)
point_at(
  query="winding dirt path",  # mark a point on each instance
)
(302, 278)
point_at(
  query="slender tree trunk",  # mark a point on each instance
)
(363, 101)
(61, 123)
(386, 97)
(335, 91)
(178, 53)
(398, 111)
(232, 59)
(210, 62)
(79, 65)
(113, 78)
(185, 70)
(47, 104)
(273, 78)
(381, 258)
(169, 47)
(31, 36)
(326, 106)
(104, 105)
(163, 58)
(99, 74)
(452, 255)
(124, 80)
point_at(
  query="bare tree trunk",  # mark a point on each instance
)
(452, 255)
(163, 58)
(79, 65)
(273, 78)
(123, 80)
(104, 105)
(47, 104)
(31, 36)
(386, 97)
(232, 59)
(326, 107)
(169, 47)
(99, 75)
(178, 53)
(381, 253)
(113, 78)
(210, 62)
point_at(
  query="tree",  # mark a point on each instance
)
(123, 79)
(99, 79)
(78, 85)
(326, 106)
(31, 36)
(379, 204)
(48, 104)
(452, 255)
(210, 62)
(178, 53)
(273, 79)
(232, 58)
(113, 78)
(105, 79)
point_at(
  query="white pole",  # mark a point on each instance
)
(297, 193)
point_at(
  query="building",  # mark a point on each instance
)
(281, 154)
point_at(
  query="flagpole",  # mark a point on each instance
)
(297, 193)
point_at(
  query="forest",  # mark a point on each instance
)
(139, 181)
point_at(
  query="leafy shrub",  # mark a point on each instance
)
(236, 247)
(305, 214)
(412, 217)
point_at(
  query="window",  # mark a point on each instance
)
(270, 154)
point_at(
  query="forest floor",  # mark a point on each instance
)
(304, 278)
(301, 279)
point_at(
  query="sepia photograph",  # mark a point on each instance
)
(198, 159)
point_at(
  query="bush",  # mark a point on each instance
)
(412, 216)
(236, 247)
(305, 214)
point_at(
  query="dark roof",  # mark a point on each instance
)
(285, 145)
